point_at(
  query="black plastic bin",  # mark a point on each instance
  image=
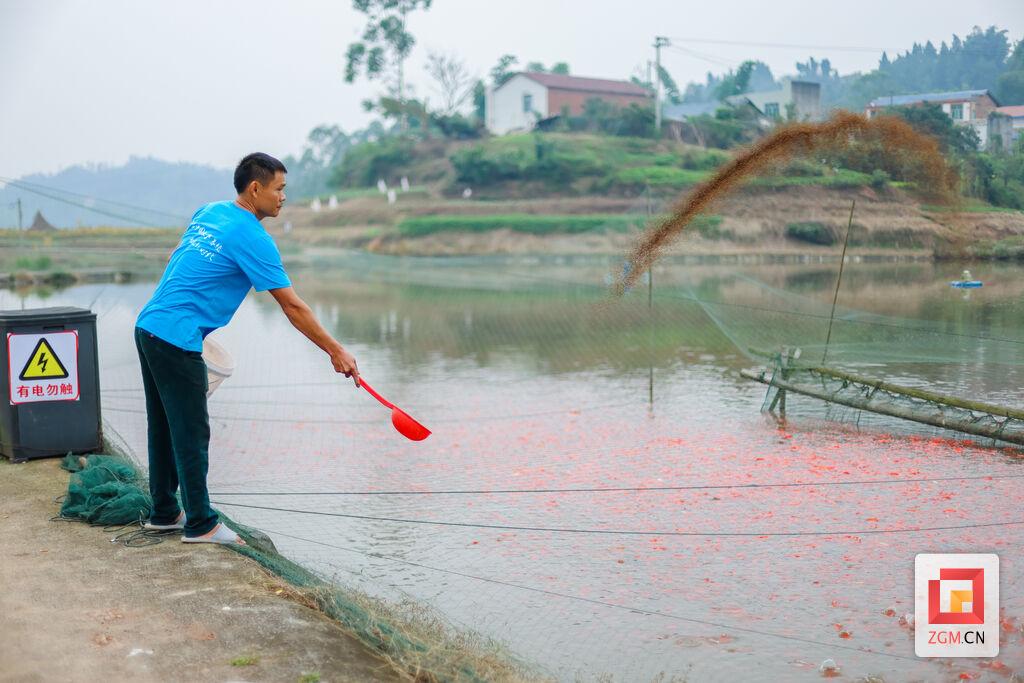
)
(49, 375)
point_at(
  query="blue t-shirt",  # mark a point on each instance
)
(223, 253)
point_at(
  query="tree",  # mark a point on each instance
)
(480, 101)
(556, 68)
(453, 80)
(1010, 85)
(411, 114)
(972, 63)
(502, 71)
(930, 119)
(385, 42)
(749, 75)
(702, 92)
(325, 149)
(327, 144)
(669, 83)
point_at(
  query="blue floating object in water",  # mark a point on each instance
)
(967, 284)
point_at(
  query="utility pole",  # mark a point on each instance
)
(659, 42)
(19, 214)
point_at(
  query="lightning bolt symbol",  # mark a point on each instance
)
(43, 360)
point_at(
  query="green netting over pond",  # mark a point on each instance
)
(110, 490)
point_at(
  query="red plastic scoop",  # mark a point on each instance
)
(408, 427)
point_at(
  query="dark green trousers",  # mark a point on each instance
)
(179, 432)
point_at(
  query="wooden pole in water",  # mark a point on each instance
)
(839, 280)
(650, 316)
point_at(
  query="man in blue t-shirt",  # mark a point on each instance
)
(223, 254)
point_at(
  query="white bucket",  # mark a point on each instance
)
(219, 364)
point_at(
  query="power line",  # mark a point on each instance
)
(701, 55)
(129, 219)
(24, 184)
(621, 489)
(624, 532)
(837, 48)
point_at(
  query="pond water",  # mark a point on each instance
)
(534, 381)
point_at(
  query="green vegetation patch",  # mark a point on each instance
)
(812, 232)
(842, 178)
(659, 176)
(710, 228)
(968, 207)
(533, 224)
(1009, 248)
(33, 262)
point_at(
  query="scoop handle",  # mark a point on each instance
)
(384, 401)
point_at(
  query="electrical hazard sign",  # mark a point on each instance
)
(43, 367)
(43, 363)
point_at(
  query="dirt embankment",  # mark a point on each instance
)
(77, 608)
(754, 222)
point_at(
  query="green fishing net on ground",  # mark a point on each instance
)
(110, 490)
(104, 489)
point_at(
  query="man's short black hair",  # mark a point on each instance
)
(256, 166)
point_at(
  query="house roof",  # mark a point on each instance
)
(595, 85)
(951, 96)
(1015, 111)
(680, 112)
(40, 223)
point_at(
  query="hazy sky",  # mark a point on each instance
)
(210, 80)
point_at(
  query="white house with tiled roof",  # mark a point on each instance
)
(528, 97)
(965, 107)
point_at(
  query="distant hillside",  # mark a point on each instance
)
(143, 192)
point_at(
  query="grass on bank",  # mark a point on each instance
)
(77, 250)
(142, 238)
(538, 224)
(1006, 249)
(968, 206)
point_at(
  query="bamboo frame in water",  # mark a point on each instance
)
(922, 394)
(943, 421)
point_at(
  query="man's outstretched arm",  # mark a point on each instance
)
(301, 317)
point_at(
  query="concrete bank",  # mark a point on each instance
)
(75, 607)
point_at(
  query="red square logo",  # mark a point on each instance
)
(965, 606)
